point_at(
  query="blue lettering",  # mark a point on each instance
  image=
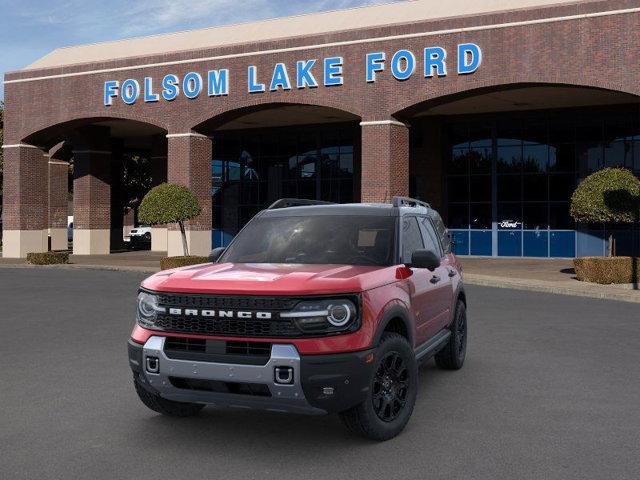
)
(192, 85)
(218, 82)
(170, 87)
(333, 71)
(469, 58)
(304, 77)
(434, 58)
(149, 96)
(254, 87)
(403, 64)
(375, 63)
(280, 78)
(110, 92)
(130, 91)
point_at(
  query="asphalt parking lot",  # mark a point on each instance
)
(550, 390)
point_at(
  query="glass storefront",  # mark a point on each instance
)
(253, 168)
(509, 178)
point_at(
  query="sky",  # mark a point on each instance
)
(29, 29)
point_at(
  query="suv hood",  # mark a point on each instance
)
(273, 279)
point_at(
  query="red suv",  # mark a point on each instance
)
(313, 308)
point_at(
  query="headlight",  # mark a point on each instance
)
(325, 315)
(148, 309)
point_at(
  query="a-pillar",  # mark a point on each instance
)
(159, 175)
(189, 164)
(385, 160)
(24, 202)
(92, 192)
(58, 192)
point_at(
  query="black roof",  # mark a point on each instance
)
(366, 209)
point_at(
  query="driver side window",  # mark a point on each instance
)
(411, 238)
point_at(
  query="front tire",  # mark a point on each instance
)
(166, 407)
(392, 392)
(452, 356)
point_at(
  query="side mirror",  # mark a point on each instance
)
(425, 259)
(216, 253)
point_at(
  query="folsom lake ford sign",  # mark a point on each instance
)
(309, 73)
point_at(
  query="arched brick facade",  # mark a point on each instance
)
(589, 43)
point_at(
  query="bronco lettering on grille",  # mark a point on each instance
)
(192, 312)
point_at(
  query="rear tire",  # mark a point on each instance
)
(452, 356)
(392, 392)
(166, 407)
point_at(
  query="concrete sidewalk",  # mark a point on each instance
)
(140, 261)
(538, 275)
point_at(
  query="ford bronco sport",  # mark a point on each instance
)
(313, 308)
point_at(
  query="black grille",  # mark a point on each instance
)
(186, 344)
(248, 348)
(245, 302)
(238, 388)
(235, 327)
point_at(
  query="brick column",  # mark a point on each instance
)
(426, 164)
(92, 192)
(189, 164)
(25, 212)
(159, 175)
(116, 240)
(58, 191)
(385, 160)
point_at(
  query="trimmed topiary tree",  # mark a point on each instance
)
(169, 203)
(611, 195)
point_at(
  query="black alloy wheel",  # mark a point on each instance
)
(461, 336)
(452, 356)
(390, 387)
(392, 391)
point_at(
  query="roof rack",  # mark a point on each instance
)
(408, 202)
(296, 202)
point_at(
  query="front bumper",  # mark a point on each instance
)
(320, 383)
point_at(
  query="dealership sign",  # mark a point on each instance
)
(308, 73)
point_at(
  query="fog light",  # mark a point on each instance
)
(152, 364)
(284, 375)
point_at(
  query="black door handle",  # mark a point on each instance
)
(435, 279)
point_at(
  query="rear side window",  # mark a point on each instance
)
(431, 241)
(411, 238)
(442, 232)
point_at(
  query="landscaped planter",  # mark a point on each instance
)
(48, 258)
(606, 270)
(174, 262)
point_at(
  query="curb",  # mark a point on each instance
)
(74, 266)
(603, 292)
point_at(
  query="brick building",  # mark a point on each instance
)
(491, 110)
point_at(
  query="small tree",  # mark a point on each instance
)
(611, 195)
(169, 203)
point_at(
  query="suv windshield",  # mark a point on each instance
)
(350, 240)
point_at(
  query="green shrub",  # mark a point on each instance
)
(607, 270)
(611, 195)
(48, 258)
(168, 263)
(169, 203)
